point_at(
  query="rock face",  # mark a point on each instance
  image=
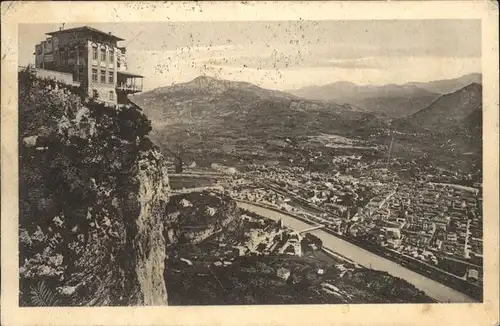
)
(199, 215)
(93, 190)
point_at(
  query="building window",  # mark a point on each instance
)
(94, 75)
(103, 76)
(111, 57)
(103, 55)
(94, 53)
(111, 76)
(112, 95)
(81, 73)
(118, 63)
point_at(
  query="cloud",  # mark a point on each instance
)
(352, 64)
(289, 62)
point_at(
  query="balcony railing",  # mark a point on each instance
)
(128, 87)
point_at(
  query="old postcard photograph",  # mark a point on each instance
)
(268, 165)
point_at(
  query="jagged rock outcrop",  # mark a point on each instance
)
(93, 190)
(196, 216)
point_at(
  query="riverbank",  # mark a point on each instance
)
(436, 290)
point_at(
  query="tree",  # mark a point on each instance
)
(178, 164)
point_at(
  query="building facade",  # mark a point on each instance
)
(94, 60)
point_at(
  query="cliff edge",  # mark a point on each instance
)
(92, 195)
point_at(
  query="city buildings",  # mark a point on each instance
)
(437, 224)
(90, 58)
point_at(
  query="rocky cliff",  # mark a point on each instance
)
(196, 216)
(92, 196)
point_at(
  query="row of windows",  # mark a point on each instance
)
(95, 78)
(103, 53)
(72, 54)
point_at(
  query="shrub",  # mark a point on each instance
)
(42, 296)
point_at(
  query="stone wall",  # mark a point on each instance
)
(62, 77)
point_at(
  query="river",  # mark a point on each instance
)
(436, 290)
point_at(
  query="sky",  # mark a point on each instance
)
(290, 54)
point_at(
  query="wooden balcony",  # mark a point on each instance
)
(128, 82)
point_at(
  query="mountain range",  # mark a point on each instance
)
(207, 116)
(210, 120)
(225, 107)
(391, 99)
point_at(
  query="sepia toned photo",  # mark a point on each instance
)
(290, 171)
(250, 162)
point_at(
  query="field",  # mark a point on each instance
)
(180, 182)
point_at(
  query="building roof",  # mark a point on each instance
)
(88, 29)
(128, 74)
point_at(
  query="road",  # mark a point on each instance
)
(434, 289)
(471, 189)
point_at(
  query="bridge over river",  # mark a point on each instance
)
(436, 290)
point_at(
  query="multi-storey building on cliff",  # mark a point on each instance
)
(91, 58)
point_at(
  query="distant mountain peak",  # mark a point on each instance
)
(202, 79)
(202, 83)
(216, 84)
(208, 81)
(474, 86)
(451, 109)
(212, 86)
(343, 82)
